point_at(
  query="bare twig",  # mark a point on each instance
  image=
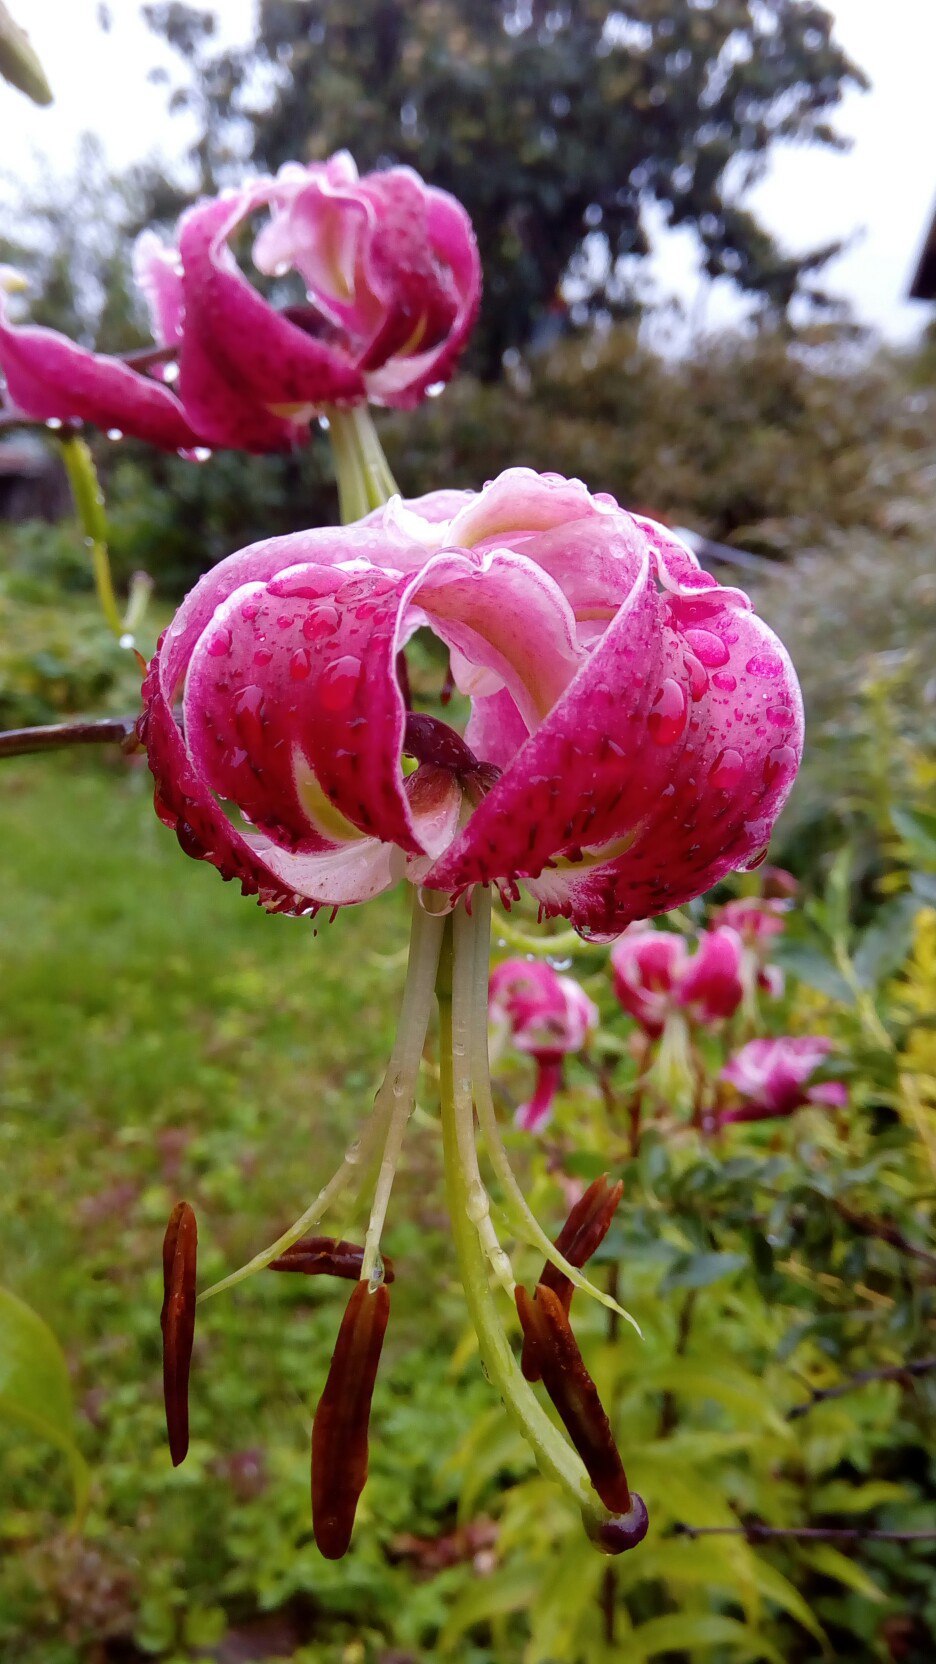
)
(54, 736)
(884, 1231)
(813, 1533)
(893, 1372)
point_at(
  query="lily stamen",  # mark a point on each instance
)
(324, 1256)
(177, 1321)
(342, 1417)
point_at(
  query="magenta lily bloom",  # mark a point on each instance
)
(392, 281)
(606, 762)
(758, 921)
(633, 732)
(773, 1076)
(655, 975)
(547, 1016)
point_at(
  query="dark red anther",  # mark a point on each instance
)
(574, 1394)
(323, 1256)
(177, 1319)
(339, 1430)
(584, 1230)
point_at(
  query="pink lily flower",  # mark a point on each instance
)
(773, 1075)
(758, 921)
(392, 281)
(656, 976)
(634, 732)
(546, 1015)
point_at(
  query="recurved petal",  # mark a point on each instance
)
(276, 362)
(158, 273)
(52, 379)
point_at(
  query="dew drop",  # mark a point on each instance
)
(698, 676)
(54, 423)
(201, 453)
(782, 760)
(321, 623)
(300, 664)
(727, 770)
(667, 717)
(247, 718)
(115, 433)
(339, 682)
(708, 647)
(764, 664)
(219, 643)
(477, 1202)
(724, 681)
(249, 611)
(262, 656)
(754, 861)
(286, 620)
(780, 714)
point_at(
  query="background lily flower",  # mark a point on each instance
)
(634, 729)
(772, 1077)
(546, 1015)
(390, 282)
(758, 921)
(655, 976)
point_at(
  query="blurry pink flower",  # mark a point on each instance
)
(392, 278)
(606, 761)
(546, 1015)
(757, 921)
(772, 1077)
(655, 975)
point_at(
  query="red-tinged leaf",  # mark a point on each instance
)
(340, 1427)
(323, 1256)
(178, 1323)
(574, 1394)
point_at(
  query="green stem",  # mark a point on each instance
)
(554, 1457)
(362, 471)
(89, 507)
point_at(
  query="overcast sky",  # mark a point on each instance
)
(881, 193)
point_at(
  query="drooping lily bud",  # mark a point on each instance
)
(323, 1256)
(583, 1232)
(340, 1427)
(177, 1320)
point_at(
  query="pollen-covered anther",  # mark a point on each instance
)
(178, 1324)
(574, 1394)
(583, 1232)
(324, 1256)
(340, 1426)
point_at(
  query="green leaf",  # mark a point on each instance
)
(698, 1270)
(917, 827)
(688, 1631)
(776, 1588)
(34, 1387)
(512, 1590)
(885, 944)
(18, 62)
(831, 1562)
(810, 965)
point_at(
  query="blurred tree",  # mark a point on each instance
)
(556, 122)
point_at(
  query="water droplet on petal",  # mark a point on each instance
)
(248, 720)
(262, 656)
(727, 770)
(667, 717)
(115, 433)
(300, 664)
(698, 676)
(780, 714)
(724, 681)
(764, 664)
(754, 861)
(708, 647)
(285, 620)
(249, 611)
(780, 761)
(219, 642)
(339, 681)
(321, 623)
(201, 453)
(54, 423)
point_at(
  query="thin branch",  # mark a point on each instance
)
(115, 730)
(884, 1231)
(893, 1372)
(813, 1533)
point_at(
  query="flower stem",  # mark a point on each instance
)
(554, 1457)
(89, 507)
(362, 471)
